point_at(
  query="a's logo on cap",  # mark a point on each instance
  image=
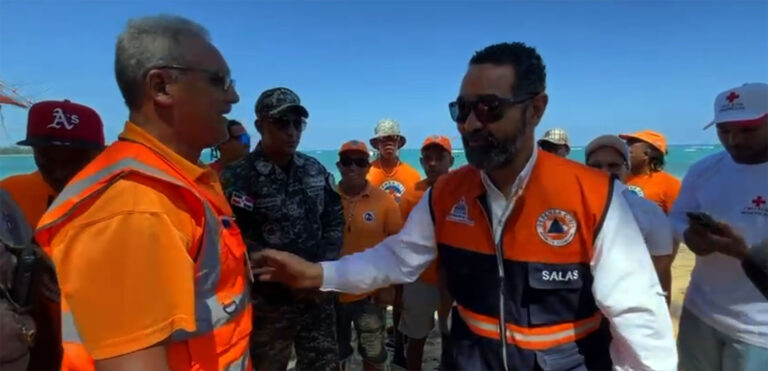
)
(60, 119)
(732, 97)
(556, 227)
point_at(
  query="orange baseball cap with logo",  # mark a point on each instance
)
(649, 136)
(439, 140)
(354, 145)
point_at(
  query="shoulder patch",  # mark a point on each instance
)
(241, 200)
(556, 227)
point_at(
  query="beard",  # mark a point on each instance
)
(493, 153)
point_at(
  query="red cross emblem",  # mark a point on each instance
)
(732, 97)
(759, 201)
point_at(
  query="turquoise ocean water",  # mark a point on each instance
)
(679, 159)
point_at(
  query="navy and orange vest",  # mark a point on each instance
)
(222, 305)
(536, 281)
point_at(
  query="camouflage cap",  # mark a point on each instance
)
(276, 100)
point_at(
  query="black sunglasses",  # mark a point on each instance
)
(285, 122)
(359, 162)
(216, 78)
(487, 108)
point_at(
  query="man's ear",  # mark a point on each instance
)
(160, 86)
(538, 106)
(452, 158)
(257, 124)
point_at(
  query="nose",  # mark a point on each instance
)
(291, 131)
(232, 96)
(472, 123)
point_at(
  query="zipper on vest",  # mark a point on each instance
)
(498, 243)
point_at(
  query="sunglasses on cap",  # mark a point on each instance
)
(488, 108)
(215, 78)
(282, 123)
(349, 161)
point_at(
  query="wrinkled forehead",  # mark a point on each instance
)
(482, 79)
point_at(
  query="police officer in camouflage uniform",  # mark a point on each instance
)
(286, 200)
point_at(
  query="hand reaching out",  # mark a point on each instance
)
(280, 266)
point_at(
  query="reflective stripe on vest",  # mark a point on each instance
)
(536, 338)
(210, 313)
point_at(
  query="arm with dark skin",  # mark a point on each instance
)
(153, 358)
(724, 240)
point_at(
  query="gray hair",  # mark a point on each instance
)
(149, 42)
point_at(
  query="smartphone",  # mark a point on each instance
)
(703, 219)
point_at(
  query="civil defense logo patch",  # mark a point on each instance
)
(556, 227)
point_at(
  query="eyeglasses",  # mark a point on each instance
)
(488, 108)
(243, 138)
(359, 162)
(216, 78)
(282, 123)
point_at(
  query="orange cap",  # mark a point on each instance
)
(439, 140)
(649, 136)
(353, 145)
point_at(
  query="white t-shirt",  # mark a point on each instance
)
(720, 293)
(653, 223)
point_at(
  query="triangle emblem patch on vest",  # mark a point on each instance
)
(556, 227)
(460, 213)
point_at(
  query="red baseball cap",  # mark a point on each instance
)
(63, 123)
(353, 146)
(439, 140)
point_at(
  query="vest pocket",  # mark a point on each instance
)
(553, 292)
(565, 357)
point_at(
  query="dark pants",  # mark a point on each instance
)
(309, 327)
(369, 321)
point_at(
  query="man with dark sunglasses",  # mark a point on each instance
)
(234, 148)
(542, 255)
(371, 215)
(286, 200)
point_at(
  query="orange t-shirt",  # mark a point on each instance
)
(370, 217)
(398, 182)
(31, 193)
(659, 187)
(410, 200)
(124, 264)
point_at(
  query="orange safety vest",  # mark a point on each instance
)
(536, 280)
(222, 304)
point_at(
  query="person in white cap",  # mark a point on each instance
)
(722, 215)
(555, 141)
(610, 154)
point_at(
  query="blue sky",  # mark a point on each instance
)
(612, 66)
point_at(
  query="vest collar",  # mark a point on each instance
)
(517, 186)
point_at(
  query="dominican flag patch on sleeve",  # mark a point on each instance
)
(242, 201)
